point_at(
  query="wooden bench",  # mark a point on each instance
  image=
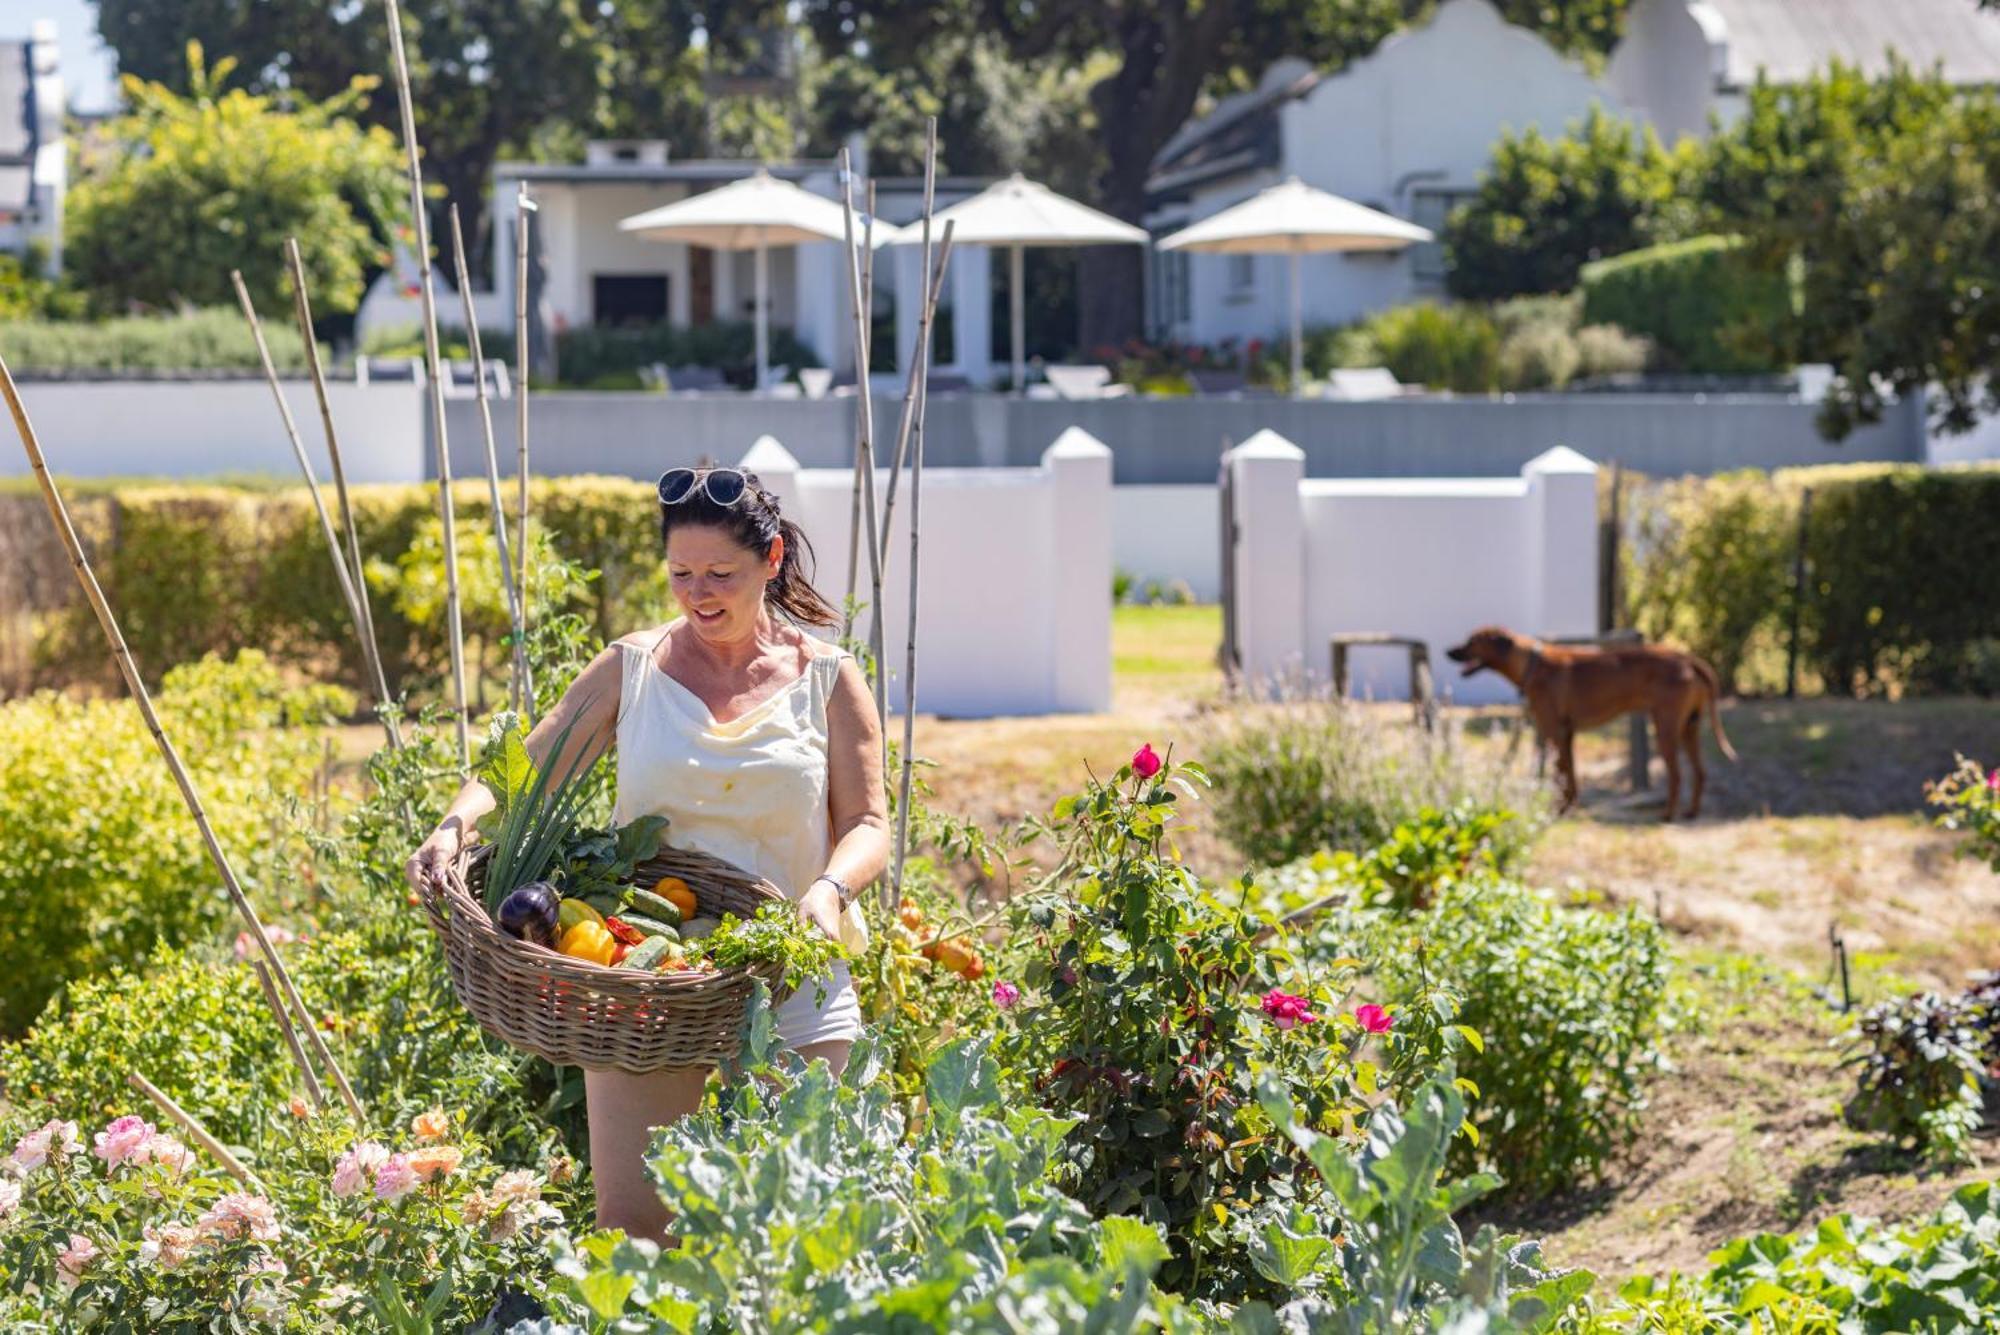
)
(1422, 699)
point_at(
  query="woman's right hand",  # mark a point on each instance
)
(426, 865)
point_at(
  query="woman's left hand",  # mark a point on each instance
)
(820, 906)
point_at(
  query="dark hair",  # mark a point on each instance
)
(754, 523)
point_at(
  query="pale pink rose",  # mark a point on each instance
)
(168, 1245)
(126, 1138)
(10, 1196)
(280, 935)
(395, 1179)
(167, 1154)
(357, 1167)
(239, 1215)
(51, 1140)
(517, 1186)
(435, 1161)
(74, 1259)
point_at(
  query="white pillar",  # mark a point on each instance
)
(819, 299)
(905, 271)
(1268, 573)
(1561, 514)
(777, 470)
(972, 312)
(1079, 472)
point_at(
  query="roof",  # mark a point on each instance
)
(638, 173)
(1790, 39)
(1239, 134)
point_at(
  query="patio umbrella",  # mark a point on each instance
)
(755, 213)
(1295, 219)
(1017, 213)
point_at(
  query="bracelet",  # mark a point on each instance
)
(840, 888)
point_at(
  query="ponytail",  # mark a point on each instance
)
(792, 592)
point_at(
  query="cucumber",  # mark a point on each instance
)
(657, 907)
(646, 954)
(641, 923)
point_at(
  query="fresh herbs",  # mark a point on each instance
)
(532, 814)
(598, 861)
(776, 935)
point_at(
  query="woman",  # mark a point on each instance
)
(759, 743)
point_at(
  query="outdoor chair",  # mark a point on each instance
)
(1360, 383)
(1078, 382)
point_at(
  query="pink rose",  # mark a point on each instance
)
(1005, 994)
(169, 1154)
(395, 1179)
(1287, 1010)
(357, 1167)
(52, 1140)
(1993, 780)
(10, 1196)
(1374, 1019)
(74, 1259)
(167, 1245)
(126, 1138)
(1146, 761)
(240, 1214)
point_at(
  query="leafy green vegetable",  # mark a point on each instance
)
(531, 816)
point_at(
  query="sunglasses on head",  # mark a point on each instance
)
(722, 486)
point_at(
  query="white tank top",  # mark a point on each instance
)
(752, 791)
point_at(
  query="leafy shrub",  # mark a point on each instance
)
(1920, 1061)
(408, 341)
(1970, 798)
(1546, 206)
(1701, 302)
(588, 353)
(1849, 1273)
(1899, 558)
(1606, 350)
(214, 339)
(805, 1204)
(1571, 1004)
(1444, 347)
(1297, 778)
(213, 569)
(103, 864)
(1540, 357)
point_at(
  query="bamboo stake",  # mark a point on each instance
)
(371, 649)
(864, 356)
(864, 447)
(519, 684)
(920, 358)
(333, 545)
(288, 1033)
(523, 206)
(80, 563)
(908, 757)
(454, 624)
(196, 1131)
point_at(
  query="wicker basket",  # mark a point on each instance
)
(576, 1013)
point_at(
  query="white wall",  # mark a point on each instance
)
(1666, 65)
(1433, 558)
(137, 428)
(1167, 533)
(1015, 597)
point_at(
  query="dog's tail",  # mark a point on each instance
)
(1710, 704)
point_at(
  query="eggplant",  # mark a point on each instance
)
(530, 913)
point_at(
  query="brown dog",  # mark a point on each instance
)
(1571, 689)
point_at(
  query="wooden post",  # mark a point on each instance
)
(195, 1130)
(864, 445)
(523, 206)
(371, 648)
(1800, 591)
(80, 563)
(934, 286)
(519, 688)
(864, 346)
(920, 361)
(288, 1033)
(1610, 534)
(454, 624)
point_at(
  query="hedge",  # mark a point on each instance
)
(1902, 594)
(216, 339)
(1704, 307)
(594, 354)
(204, 569)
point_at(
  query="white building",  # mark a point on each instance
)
(1682, 62)
(598, 275)
(34, 163)
(1407, 129)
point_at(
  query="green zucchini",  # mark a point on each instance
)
(646, 954)
(639, 922)
(657, 907)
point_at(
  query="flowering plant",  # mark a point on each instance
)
(1970, 800)
(140, 1230)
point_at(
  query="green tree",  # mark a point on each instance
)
(213, 181)
(1546, 207)
(1885, 195)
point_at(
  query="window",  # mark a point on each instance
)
(1242, 277)
(628, 298)
(1171, 301)
(1431, 208)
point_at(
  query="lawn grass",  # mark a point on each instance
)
(1166, 648)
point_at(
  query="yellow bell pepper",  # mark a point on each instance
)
(589, 941)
